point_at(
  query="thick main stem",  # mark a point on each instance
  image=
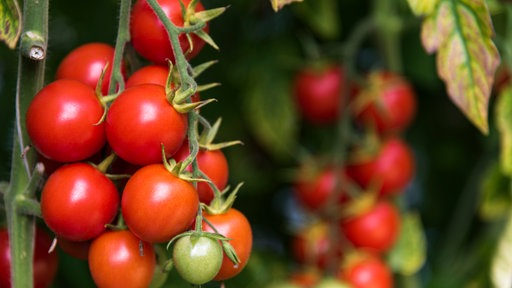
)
(30, 80)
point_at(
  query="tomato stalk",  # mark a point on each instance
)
(389, 27)
(20, 203)
(123, 37)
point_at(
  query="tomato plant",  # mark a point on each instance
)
(366, 271)
(77, 201)
(197, 258)
(140, 121)
(118, 258)
(155, 195)
(63, 121)
(151, 40)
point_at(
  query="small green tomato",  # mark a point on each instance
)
(197, 258)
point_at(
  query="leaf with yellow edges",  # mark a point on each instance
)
(279, 4)
(460, 31)
(10, 18)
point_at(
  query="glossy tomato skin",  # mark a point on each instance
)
(86, 63)
(77, 201)
(148, 34)
(63, 121)
(115, 260)
(157, 205)
(212, 163)
(317, 94)
(375, 230)
(391, 169)
(140, 120)
(392, 104)
(45, 264)
(315, 190)
(197, 258)
(234, 225)
(367, 272)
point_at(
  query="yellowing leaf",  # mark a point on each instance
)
(503, 123)
(10, 18)
(460, 31)
(279, 4)
(422, 7)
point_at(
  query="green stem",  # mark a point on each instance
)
(30, 80)
(123, 37)
(389, 25)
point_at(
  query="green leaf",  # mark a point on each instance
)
(321, 16)
(503, 122)
(502, 261)
(10, 20)
(460, 31)
(495, 200)
(409, 253)
(279, 4)
(422, 7)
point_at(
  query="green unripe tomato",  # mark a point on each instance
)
(197, 258)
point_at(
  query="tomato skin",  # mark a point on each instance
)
(393, 104)
(45, 264)
(77, 201)
(212, 163)
(392, 169)
(86, 63)
(148, 34)
(62, 121)
(234, 225)
(367, 272)
(157, 205)
(317, 93)
(141, 119)
(115, 260)
(197, 258)
(314, 191)
(375, 230)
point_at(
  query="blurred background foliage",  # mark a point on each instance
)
(259, 52)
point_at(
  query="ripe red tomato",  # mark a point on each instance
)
(367, 271)
(77, 201)
(317, 93)
(157, 205)
(62, 121)
(148, 34)
(119, 259)
(391, 169)
(376, 229)
(86, 63)
(140, 120)
(314, 246)
(314, 190)
(213, 164)
(44, 264)
(388, 104)
(234, 225)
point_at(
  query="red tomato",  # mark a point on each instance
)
(316, 189)
(318, 93)
(367, 272)
(306, 278)
(234, 225)
(148, 34)
(314, 246)
(157, 205)
(213, 164)
(140, 120)
(62, 121)
(375, 230)
(387, 104)
(86, 63)
(44, 264)
(77, 201)
(119, 259)
(391, 169)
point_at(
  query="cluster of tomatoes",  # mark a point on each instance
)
(127, 171)
(349, 199)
